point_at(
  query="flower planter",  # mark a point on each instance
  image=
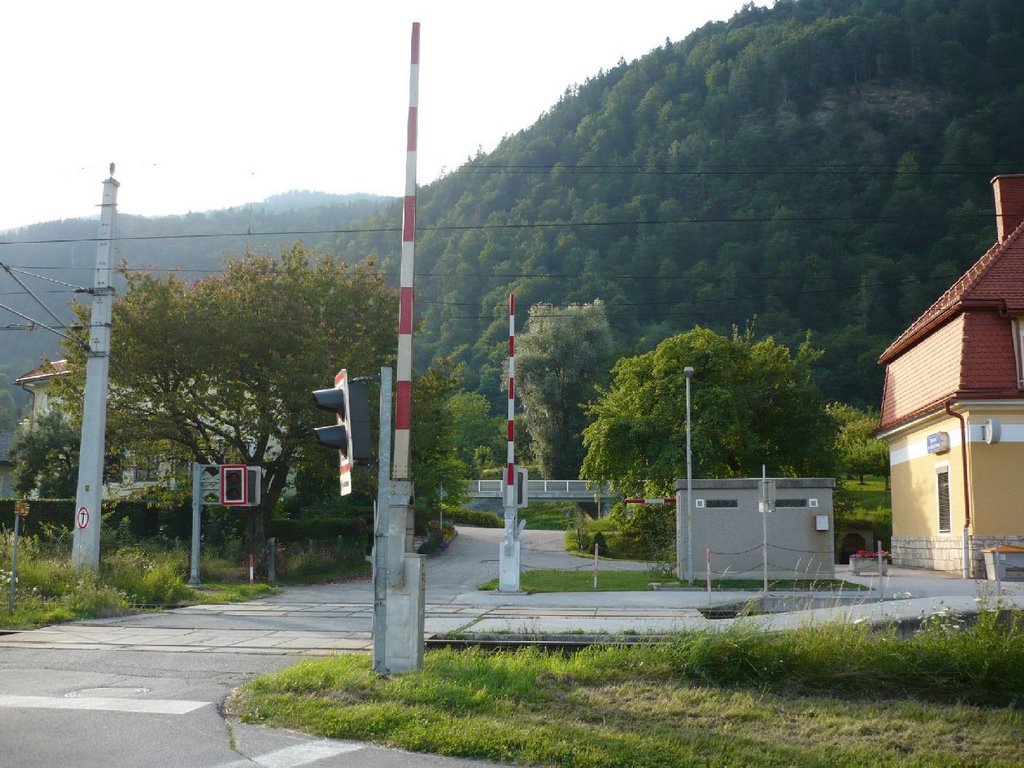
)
(862, 565)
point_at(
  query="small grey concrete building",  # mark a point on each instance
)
(727, 519)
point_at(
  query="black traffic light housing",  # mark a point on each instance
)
(338, 435)
(351, 434)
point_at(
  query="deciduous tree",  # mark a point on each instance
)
(480, 438)
(754, 403)
(45, 455)
(859, 452)
(221, 370)
(565, 353)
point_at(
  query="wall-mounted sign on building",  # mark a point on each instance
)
(938, 442)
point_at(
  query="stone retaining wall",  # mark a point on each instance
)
(938, 553)
(945, 553)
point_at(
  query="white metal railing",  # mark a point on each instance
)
(541, 489)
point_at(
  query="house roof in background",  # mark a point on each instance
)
(43, 373)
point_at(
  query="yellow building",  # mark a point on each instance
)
(953, 409)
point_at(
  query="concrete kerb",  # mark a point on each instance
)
(907, 597)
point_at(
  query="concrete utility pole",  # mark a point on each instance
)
(385, 550)
(89, 497)
(688, 373)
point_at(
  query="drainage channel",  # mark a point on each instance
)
(767, 604)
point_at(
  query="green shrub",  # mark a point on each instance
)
(463, 516)
(352, 529)
(319, 561)
(92, 599)
(148, 578)
(644, 530)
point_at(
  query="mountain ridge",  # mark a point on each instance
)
(812, 167)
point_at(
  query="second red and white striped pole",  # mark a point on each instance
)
(508, 558)
(510, 468)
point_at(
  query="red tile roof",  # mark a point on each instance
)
(988, 366)
(963, 344)
(924, 375)
(43, 372)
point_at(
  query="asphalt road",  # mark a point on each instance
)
(147, 691)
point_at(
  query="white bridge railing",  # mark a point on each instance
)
(570, 490)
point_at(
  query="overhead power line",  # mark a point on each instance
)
(791, 169)
(504, 226)
(60, 323)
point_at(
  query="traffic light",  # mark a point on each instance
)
(351, 434)
(234, 485)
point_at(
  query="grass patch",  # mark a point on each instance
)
(548, 515)
(141, 576)
(838, 695)
(871, 498)
(214, 594)
(871, 508)
(640, 581)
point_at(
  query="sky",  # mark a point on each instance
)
(211, 104)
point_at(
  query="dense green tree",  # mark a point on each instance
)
(435, 460)
(480, 438)
(221, 370)
(858, 451)
(754, 403)
(561, 359)
(45, 456)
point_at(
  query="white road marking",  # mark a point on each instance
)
(95, 703)
(304, 754)
(298, 755)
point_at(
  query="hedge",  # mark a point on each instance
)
(464, 516)
(354, 529)
(144, 521)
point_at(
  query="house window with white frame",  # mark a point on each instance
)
(942, 488)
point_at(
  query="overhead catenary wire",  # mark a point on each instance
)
(33, 323)
(30, 292)
(829, 219)
(694, 306)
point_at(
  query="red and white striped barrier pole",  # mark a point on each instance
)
(403, 379)
(398, 627)
(508, 558)
(510, 468)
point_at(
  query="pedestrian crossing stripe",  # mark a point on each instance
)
(100, 704)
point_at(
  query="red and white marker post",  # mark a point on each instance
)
(508, 557)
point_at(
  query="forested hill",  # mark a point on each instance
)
(821, 165)
(64, 254)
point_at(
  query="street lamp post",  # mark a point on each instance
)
(688, 373)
